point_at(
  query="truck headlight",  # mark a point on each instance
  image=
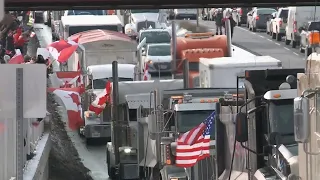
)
(127, 150)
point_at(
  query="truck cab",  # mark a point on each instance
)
(154, 36)
(264, 125)
(99, 126)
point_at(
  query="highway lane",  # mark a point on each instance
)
(261, 43)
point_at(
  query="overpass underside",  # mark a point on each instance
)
(140, 4)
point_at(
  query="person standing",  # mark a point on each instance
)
(219, 21)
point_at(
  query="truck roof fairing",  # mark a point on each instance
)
(90, 20)
(138, 87)
(281, 94)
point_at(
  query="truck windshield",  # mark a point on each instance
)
(145, 11)
(76, 29)
(190, 119)
(163, 50)
(86, 12)
(101, 83)
(156, 37)
(281, 119)
(266, 11)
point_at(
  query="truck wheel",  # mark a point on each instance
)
(293, 44)
(274, 35)
(278, 37)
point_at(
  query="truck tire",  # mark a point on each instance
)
(278, 37)
(274, 35)
(293, 44)
(111, 170)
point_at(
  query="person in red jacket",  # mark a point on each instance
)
(19, 39)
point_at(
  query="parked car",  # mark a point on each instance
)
(269, 23)
(297, 17)
(309, 36)
(279, 24)
(257, 18)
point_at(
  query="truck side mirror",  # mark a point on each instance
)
(241, 127)
(301, 119)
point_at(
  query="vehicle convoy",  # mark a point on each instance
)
(297, 18)
(143, 18)
(306, 119)
(263, 140)
(196, 45)
(257, 18)
(73, 24)
(152, 121)
(279, 24)
(309, 37)
(103, 47)
(212, 69)
(99, 126)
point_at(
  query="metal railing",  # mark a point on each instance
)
(8, 131)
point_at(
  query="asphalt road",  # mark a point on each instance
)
(261, 43)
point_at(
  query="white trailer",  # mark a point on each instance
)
(222, 72)
(103, 47)
(73, 24)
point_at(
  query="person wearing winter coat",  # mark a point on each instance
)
(219, 22)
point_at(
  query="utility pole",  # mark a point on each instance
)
(116, 131)
(174, 49)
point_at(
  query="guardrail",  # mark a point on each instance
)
(8, 137)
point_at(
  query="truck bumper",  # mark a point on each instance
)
(97, 131)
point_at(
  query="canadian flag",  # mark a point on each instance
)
(72, 102)
(61, 78)
(146, 75)
(101, 100)
(17, 58)
(62, 50)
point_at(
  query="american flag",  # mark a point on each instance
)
(194, 145)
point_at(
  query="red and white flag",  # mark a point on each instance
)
(146, 75)
(194, 145)
(72, 102)
(17, 58)
(60, 78)
(98, 105)
(62, 50)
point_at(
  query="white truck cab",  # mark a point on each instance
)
(84, 12)
(74, 24)
(99, 126)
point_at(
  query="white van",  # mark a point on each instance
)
(297, 17)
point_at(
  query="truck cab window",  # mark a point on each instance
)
(101, 83)
(86, 12)
(156, 37)
(281, 119)
(190, 119)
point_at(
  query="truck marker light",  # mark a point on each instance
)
(209, 101)
(277, 95)
(247, 74)
(202, 101)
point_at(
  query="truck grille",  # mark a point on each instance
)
(162, 65)
(145, 24)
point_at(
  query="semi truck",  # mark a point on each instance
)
(263, 127)
(306, 122)
(98, 126)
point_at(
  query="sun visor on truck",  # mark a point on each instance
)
(141, 87)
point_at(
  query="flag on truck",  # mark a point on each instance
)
(64, 78)
(98, 105)
(194, 145)
(146, 74)
(71, 99)
(17, 58)
(62, 50)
